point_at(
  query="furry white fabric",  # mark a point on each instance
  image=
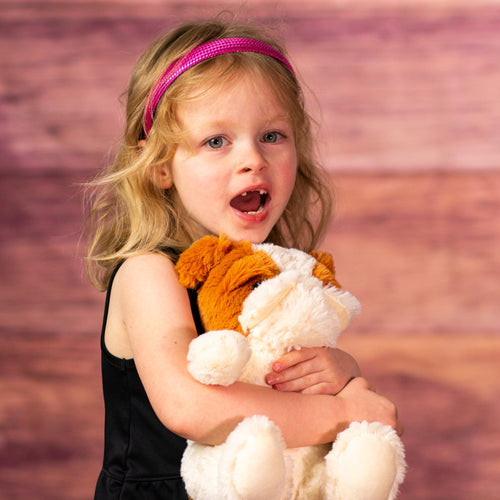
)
(291, 310)
(207, 366)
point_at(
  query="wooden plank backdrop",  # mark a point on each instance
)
(408, 104)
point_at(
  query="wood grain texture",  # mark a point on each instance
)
(420, 250)
(410, 111)
(401, 85)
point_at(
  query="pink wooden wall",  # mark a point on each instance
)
(408, 101)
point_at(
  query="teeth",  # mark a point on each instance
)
(259, 211)
(263, 199)
(261, 192)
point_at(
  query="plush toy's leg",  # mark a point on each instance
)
(366, 463)
(199, 470)
(252, 466)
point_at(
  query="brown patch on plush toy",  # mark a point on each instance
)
(216, 266)
(324, 270)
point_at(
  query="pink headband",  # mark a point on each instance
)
(201, 53)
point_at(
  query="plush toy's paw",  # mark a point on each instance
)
(199, 470)
(218, 357)
(252, 466)
(366, 463)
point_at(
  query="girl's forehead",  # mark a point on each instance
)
(256, 91)
(238, 80)
(246, 94)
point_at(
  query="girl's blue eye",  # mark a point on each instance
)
(216, 142)
(271, 137)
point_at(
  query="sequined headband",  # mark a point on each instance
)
(201, 53)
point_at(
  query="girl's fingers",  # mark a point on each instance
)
(292, 376)
(318, 370)
(298, 384)
(305, 371)
(292, 358)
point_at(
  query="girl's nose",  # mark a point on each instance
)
(252, 159)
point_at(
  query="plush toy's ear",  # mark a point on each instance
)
(195, 263)
(221, 298)
(324, 270)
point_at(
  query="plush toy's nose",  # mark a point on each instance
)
(259, 314)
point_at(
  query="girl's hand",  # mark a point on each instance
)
(313, 370)
(363, 403)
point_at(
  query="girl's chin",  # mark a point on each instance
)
(254, 236)
(248, 227)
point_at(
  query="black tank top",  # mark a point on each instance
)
(141, 456)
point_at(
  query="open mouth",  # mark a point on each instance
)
(250, 202)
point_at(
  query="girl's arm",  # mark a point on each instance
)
(154, 312)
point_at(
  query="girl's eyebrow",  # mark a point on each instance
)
(280, 121)
(282, 116)
(218, 126)
(283, 119)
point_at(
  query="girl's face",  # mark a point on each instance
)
(236, 170)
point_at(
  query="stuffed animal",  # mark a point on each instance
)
(256, 303)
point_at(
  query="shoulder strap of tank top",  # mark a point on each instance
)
(193, 300)
(106, 306)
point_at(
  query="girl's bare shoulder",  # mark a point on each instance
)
(146, 265)
(147, 287)
(147, 281)
(132, 296)
(148, 303)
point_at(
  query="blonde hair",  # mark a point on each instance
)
(128, 213)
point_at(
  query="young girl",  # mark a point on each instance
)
(217, 141)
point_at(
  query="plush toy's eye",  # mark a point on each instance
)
(256, 284)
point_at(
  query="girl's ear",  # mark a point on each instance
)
(162, 176)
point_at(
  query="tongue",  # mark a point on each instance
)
(247, 203)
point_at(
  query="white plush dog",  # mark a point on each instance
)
(258, 302)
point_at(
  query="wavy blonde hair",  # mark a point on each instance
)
(128, 214)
